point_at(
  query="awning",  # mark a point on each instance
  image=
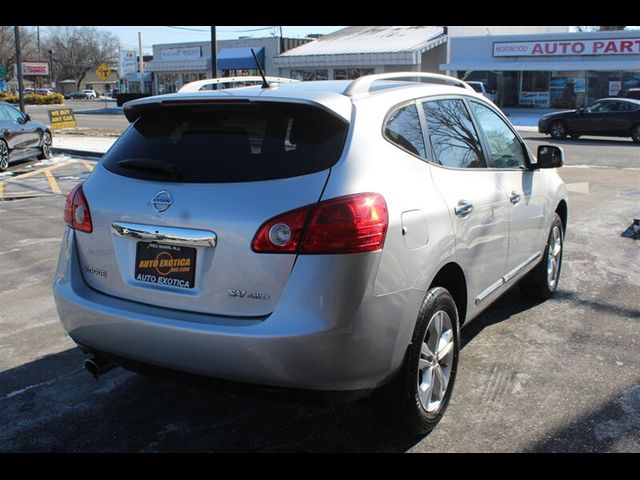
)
(201, 64)
(239, 58)
(545, 66)
(135, 76)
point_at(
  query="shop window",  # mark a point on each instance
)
(340, 74)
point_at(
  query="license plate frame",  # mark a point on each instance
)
(164, 264)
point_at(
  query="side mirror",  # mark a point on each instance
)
(550, 156)
(27, 117)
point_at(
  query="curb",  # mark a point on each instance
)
(77, 153)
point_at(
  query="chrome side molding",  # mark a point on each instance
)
(170, 235)
(508, 277)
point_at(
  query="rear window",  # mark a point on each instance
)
(228, 143)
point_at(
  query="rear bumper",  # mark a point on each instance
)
(311, 341)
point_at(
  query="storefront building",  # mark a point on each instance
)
(363, 50)
(558, 70)
(176, 64)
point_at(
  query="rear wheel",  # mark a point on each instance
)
(575, 137)
(4, 156)
(557, 129)
(45, 149)
(419, 395)
(542, 281)
(635, 133)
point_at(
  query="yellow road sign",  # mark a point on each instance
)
(103, 72)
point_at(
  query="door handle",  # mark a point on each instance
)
(463, 208)
(515, 197)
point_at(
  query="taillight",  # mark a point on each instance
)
(349, 224)
(76, 210)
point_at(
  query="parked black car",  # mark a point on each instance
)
(609, 117)
(21, 137)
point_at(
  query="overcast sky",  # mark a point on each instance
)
(152, 35)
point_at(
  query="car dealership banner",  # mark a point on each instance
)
(35, 68)
(605, 46)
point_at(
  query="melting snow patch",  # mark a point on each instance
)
(52, 161)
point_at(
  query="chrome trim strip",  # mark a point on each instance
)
(508, 277)
(492, 288)
(520, 267)
(171, 235)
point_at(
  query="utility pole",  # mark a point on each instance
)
(16, 30)
(141, 63)
(214, 54)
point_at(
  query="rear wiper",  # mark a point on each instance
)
(150, 165)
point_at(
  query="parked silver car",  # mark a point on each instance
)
(328, 236)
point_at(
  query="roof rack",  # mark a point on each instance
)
(198, 84)
(362, 85)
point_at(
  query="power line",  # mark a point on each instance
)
(222, 31)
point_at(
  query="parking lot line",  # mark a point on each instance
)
(1, 190)
(88, 165)
(52, 181)
(40, 170)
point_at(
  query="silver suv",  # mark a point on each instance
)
(327, 236)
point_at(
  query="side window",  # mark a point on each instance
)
(403, 129)
(14, 115)
(454, 140)
(504, 146)
(4, 115)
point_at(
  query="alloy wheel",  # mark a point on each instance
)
(46, 144)
(554, 257)
(436, 360)
(4, 157)
(558, 130)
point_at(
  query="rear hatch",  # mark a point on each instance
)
(177, 200)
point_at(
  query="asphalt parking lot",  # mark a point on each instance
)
(559, 376)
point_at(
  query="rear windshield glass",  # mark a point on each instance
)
(228, 143)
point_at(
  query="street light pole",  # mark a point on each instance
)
(16, 31)
(214, 54)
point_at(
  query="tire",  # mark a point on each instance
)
(558, 129)
(419, 403)
(575, 137)
(635, 133)
(541, 282)
(45, 148)
(4, 156)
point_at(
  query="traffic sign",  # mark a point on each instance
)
(103, 72)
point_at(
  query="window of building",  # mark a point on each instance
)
(505, 148)
(403, 129)
(193, 77)
(309, 75)
(453, 137)
(351, 73)
(535, 81)
(168, 82)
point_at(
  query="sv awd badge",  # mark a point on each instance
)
(246, 294)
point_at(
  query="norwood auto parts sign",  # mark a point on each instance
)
(609, 46)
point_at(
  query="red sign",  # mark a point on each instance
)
(605, 46)
(35, 68)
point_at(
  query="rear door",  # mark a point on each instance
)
(177, 200)
(478, 205)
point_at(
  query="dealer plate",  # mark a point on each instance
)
(161, 264)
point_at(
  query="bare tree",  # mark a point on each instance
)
(28, 46)
(79, 50)
(600, 29)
